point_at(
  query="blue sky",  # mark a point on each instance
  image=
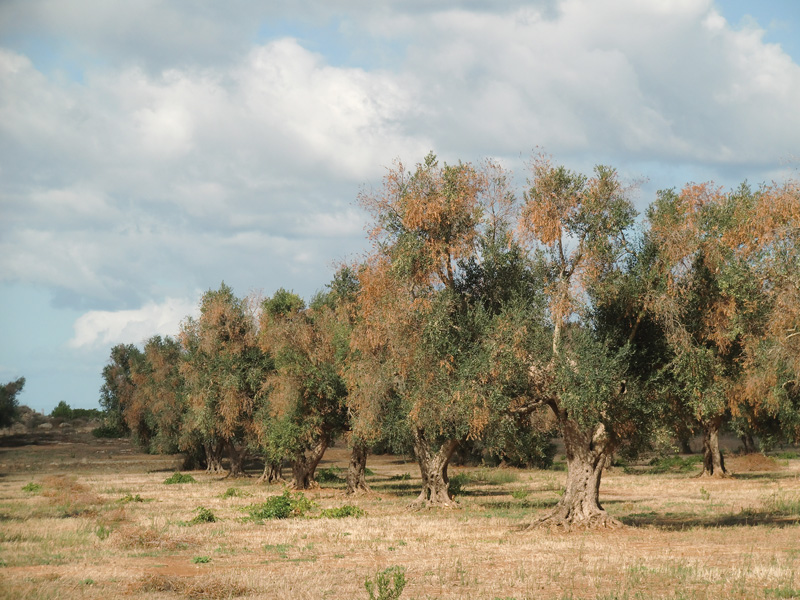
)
(151, 150)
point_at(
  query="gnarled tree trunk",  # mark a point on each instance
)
(713, 461)
(305, 463)
(213, 457)
(273, 472)
(236, 456)
(433, 463)
(588, 451)
(356, 480)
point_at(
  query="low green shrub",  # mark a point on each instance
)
(233, 492)
(329, 475)
(32, 488)
(131, 498)
(203, 515)
(348, 510)
(280, 507)
(201, 560)
(388, 584)
(179, 478)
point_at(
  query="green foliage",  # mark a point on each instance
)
(62, 411)
(201, 560)
(782, 503)
(281, 507)
(9, 402)
(519, 494)
(32, 488)
(203, 515)
(127, 498)
(109, 432)
(117, 389)
(233, 492)
(675, 464)
(348, 510)
(328, 475)
(387, 585)
(102, 532)
(179, 478)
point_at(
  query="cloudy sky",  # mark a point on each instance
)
(151, 149)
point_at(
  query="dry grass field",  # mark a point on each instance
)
(85, 518)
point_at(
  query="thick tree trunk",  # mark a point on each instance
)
(587, 454)
(433, 463)
(236, 456)
(356, 472)
(305, 463)
(748, 443)
(713, 461)
(213, 457)
(273, 473)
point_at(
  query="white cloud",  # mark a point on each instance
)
(160, 172)
(100, 328)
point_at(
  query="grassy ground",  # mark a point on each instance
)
(94, 519)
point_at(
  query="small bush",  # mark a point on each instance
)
(674, 464)
(281, 507)
(203, 515)
(32, 488)
(131, 498)
(179, 478)
(457, 483)
(328, 475)
(233, 492)
(388, 584)
(403, 477)
(348, 510)
(520, 494)
(201, 560)
(108, 431)
(102, 532)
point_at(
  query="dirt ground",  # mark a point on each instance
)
(89, 518)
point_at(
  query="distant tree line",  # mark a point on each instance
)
(485, 321)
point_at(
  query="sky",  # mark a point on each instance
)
(150, 150)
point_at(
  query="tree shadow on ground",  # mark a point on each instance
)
(680, 521)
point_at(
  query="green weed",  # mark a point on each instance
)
(201, 560)
(203, 515)
(32, 488)
(233, 492)
(388, 584)
(280, 507)
(179, 478)
(348, 510)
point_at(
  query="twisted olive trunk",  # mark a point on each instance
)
(356, 472)
(713, 461)
(433, 462)
(588, 452)
(305, 464)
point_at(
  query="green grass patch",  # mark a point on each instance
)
(782, 503)
(32, 488)
(341, 512)
(179, 478)
(284, 506)
(329, 475)
(233, 492)
(201, 560)
(203, 515)
(131, 498)
(674, 464)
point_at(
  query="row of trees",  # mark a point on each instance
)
(482, 319)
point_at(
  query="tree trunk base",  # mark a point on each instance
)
(574, 521)
(423, 504)
(718, 474)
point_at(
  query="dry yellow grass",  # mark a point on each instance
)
(688, 538)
